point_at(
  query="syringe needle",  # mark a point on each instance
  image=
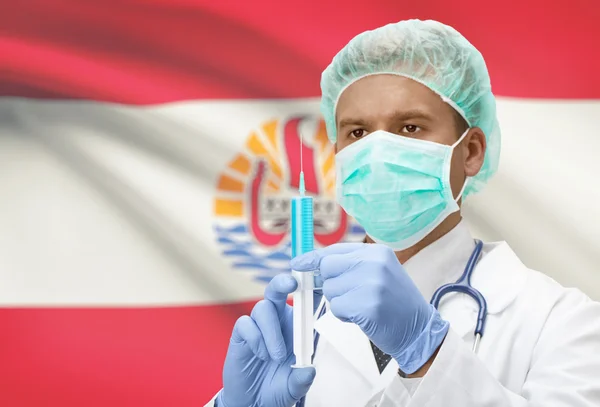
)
(302, 188)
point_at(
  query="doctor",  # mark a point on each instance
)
(410, 109)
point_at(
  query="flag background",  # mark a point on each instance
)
(122, 124)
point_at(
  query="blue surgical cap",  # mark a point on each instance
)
(432, 54)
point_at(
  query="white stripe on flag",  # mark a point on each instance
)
(62, 243)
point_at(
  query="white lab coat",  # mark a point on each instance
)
(541, 345)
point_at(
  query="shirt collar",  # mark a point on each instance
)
(442, 261)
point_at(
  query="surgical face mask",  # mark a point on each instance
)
(397, 188)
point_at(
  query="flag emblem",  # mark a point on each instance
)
(252, 203)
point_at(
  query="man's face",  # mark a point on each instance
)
(405, 107)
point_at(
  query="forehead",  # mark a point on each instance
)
(380, 96)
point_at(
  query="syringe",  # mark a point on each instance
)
(308, 281)
(303, 242)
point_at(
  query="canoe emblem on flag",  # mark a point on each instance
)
(252, 203)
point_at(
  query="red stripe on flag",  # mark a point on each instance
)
(114, 357)
(143, 52)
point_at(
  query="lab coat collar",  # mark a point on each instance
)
(442, 261)
(498, 276)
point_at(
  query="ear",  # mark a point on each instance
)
(474, 151)
(335, 147)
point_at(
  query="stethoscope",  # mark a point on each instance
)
(462, 285)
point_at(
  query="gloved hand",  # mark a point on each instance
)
(366, 284)
(257, 370)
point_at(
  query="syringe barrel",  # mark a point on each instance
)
(302, 225)
(303, 242)
(303, 237)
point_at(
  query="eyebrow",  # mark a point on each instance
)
(412, 114)
(352, 122)
(397, 116)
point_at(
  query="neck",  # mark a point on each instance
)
(446, 226)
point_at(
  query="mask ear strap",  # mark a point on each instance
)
(462, 190)
(460, 139)
(466, 178)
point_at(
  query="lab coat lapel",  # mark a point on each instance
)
(497, 277)
(352, 344)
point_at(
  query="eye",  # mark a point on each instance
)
(358, 133)
(410, 128)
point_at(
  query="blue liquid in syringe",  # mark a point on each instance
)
(302, 226)
(302, 222)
